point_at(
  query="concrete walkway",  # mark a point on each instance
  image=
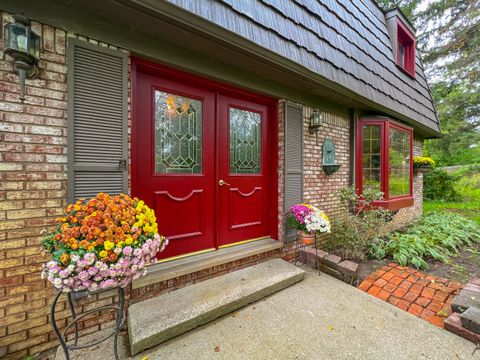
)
(318, 318)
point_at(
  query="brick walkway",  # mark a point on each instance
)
(422, 295)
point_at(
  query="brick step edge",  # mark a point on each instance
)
(454, 325)
(344, 270)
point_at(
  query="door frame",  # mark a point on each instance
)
(163, 71)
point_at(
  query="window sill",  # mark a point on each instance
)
(395, 203)
(405, 71)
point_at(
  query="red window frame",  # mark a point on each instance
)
(388, 202)
(407, 39)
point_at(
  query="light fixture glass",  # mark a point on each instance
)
(316, 120)
(23, 45)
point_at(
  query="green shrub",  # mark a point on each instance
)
(437, 236)
(439, 185)
(358, 224)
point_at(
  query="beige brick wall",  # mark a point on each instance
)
(32, 191)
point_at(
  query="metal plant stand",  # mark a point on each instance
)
(62, 337)
(299, 246)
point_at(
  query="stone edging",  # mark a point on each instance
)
(344, 270)
(465, 319)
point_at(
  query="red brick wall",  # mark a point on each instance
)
(320, 189)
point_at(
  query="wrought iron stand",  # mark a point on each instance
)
(62, 338)
(301, 246)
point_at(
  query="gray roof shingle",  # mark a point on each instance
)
(345, 41)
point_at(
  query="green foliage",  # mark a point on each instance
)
(470, 210)
(439, 185)
(359, 223)
(437, 236)
(467, 186)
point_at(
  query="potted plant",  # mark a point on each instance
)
(308, 220)
(101, 243)
(423, 164)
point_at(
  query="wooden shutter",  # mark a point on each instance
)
(97, 120)
(293, 159)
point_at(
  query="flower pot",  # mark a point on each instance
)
(306, 238)
(422, 169)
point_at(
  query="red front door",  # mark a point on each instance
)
(202, 161)
(243, 170)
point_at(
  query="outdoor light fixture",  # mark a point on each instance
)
(316, 120)
(23, 45)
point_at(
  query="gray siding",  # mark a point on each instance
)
(345, 41)
(97, 120)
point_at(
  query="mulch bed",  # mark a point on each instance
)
(425, 296)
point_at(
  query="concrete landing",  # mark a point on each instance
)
(156, 320)
(317, 318)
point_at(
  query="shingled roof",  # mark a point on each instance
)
(345, 41)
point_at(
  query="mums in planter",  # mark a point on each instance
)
(423, 164)
(308, 220)
(100, 243)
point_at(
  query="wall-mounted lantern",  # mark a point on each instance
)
(316, 120)
(23, 45)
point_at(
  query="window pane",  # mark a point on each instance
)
(399, 163)
(371, 156)
(401, 55)
(178, 134)
(245, 141)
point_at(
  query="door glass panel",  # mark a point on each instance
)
(178, 134)
(371, 164)
(399, 163)
(245, 141)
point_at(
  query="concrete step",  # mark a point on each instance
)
(156, 320)
(465, 300)
(471, 319)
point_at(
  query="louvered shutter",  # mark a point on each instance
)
(293, 159)
(97, 120)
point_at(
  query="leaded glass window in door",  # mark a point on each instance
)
(245, 141)
(178, 134)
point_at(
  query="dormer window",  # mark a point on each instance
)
(405, 49)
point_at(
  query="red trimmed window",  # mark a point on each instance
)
(405, 49)
(384, 159)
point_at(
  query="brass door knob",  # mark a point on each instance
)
(221, 183)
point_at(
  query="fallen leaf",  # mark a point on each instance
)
(217, 348)
(247, 317)
(330, 328)
(145, 357)
(234, 314)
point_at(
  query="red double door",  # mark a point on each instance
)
(203, 161)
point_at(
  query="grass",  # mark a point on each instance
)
(469, 209)
(467, 185)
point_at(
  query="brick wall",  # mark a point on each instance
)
(32, 191)
(320, 189)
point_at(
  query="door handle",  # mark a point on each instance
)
(221, 183)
